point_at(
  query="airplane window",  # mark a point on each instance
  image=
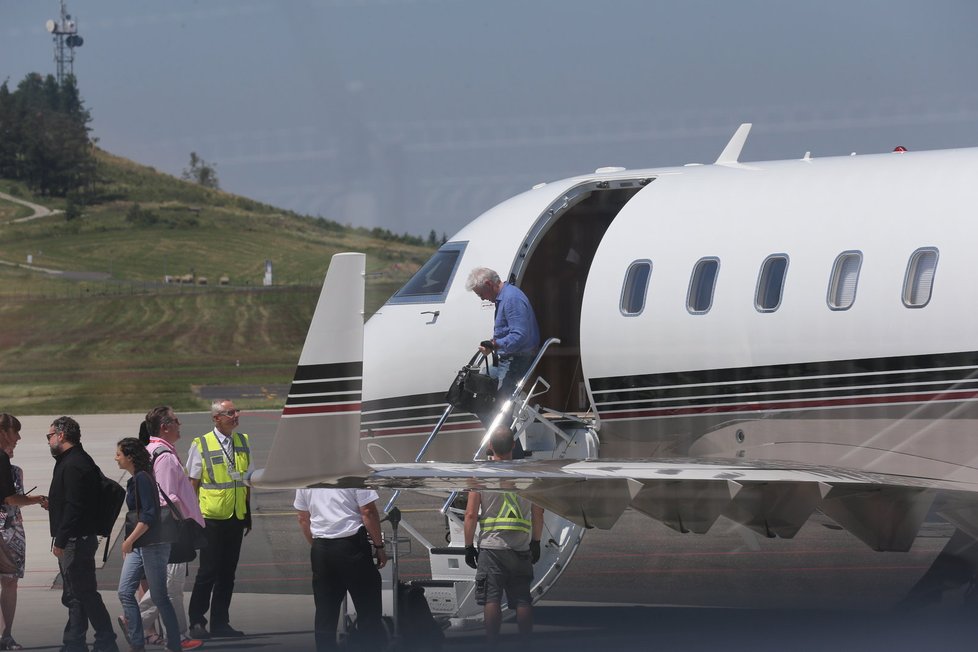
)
(699, 300)
(845, 277)
(635, 288)
(430, 283)
(919, 281)
(770, 284)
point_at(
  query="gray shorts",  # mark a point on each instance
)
(504, 570)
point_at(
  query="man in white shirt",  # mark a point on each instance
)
(337, 524)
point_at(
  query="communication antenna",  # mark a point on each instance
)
(66, 39)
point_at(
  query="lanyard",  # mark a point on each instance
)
(224, 449)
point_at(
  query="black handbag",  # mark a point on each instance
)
(189, 535)
(472, 390)
(163, 531)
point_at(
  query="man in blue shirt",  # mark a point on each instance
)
(515, 335)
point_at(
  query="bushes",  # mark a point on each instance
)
(142, 217)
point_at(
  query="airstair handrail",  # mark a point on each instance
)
(495, 422)
(424, 449)
(516, 392)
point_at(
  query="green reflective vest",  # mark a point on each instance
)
(221, 496)
(509, 517)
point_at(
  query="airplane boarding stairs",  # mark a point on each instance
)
(544, 434)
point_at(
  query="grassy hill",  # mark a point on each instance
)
(113, 337)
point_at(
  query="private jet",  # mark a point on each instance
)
(752, 341)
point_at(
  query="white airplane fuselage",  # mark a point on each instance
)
(877, 376)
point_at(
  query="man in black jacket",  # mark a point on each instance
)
(73, 503)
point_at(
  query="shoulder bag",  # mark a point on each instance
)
(188, 534)
(162, 531)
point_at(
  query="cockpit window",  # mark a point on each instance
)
(430, 284)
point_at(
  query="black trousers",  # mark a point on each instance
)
(340, 566)
(80, 594)
(215, 575)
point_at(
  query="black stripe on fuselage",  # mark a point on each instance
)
(418, 410)
(329, 372)
(345, 385)
(320, 398)
(896, 366)
(811, 380)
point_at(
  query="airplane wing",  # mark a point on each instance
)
(321, 418)
(884, 511)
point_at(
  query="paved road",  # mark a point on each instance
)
(39, 211)
(638, 586)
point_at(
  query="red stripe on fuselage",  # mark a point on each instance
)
(320, 409)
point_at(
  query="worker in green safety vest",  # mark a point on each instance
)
(509, 544)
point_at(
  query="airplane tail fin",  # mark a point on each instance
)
(318, 436)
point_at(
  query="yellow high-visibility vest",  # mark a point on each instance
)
(510, 517)
(221, 496)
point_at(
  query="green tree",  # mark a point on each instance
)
(73, 207)
(44, 135)
(201, 172)
(8, 133)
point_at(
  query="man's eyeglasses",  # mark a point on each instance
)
(230, 413)
(51, 434)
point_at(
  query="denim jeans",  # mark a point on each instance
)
(176, 577)
(150, 560)
(507, 372)
(510, 370)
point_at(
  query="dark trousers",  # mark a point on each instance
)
(340, 566)
(215, 576)
(80, 594)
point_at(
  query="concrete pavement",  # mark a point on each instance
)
(753, 603)
(276, 622)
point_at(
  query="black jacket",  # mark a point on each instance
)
(74, 495)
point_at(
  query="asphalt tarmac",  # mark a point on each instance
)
(638, 586)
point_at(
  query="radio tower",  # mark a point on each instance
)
(66, 39)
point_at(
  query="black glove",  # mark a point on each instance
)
(472, 557)
(534, 551)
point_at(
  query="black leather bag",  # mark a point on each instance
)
(472, 390)
(189, 535)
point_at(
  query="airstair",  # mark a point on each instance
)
(544, 434)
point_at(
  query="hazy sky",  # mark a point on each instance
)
(420, 114)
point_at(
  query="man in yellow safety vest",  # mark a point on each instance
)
(217, 463)
(509, 544)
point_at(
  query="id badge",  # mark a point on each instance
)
(236, 476)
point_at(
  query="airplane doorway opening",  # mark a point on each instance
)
(553, 275)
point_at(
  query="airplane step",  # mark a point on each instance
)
(443, 596)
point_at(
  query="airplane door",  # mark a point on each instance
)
(554, 274)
